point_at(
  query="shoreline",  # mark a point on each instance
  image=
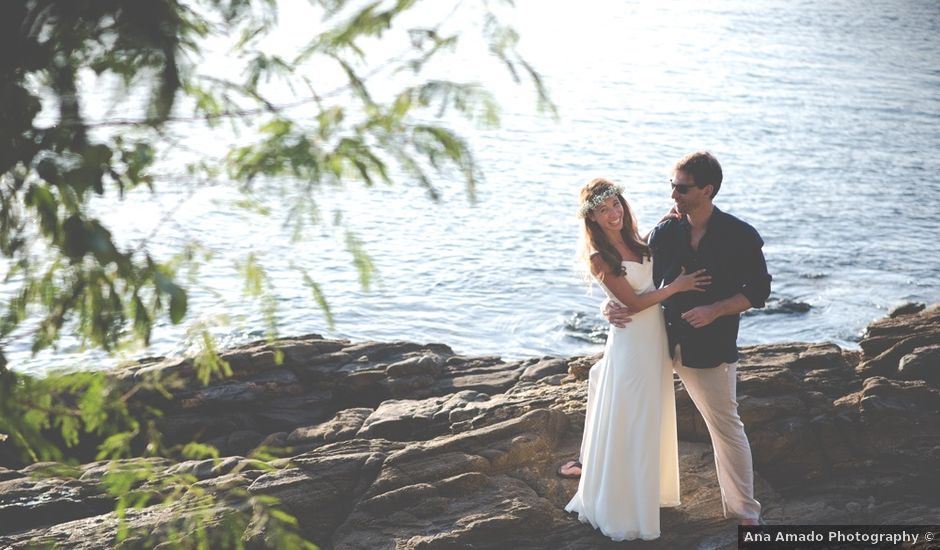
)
(94, 362)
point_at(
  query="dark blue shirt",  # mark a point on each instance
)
(731, 252)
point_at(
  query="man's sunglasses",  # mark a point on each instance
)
(681, 187)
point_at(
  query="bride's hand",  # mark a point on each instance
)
(673, 214)
(697, 281)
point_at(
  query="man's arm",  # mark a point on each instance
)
(702, 316)
(754, 290)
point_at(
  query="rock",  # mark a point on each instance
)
(240, 393)
(486, 374)
(440, 488)
(237, 442)
(546, 367)
(883, 334)
(402, 420)
(521, 399)
(308, 360)
(406, 446)
(765, 382)
(579, 367)
(376, 351)
(419, 419)
(555, 379)
(6, 474)
(322, 485)
(759, 411)
(906, 309)
(95, 472)
(820, 357)
(160, 368)
(424, 365)
(886, 363)
(27, 503)
(882, 397)
(922, 363)
(205, 469)
(343, 426)
(469, 510)
(252, 359)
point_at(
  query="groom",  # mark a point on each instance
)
(703, 326)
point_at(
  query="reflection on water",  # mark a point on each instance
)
(824, 116)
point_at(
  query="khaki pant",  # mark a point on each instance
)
(714, 392)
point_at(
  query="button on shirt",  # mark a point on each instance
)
(731, 253)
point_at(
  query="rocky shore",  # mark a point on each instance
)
(406, 446)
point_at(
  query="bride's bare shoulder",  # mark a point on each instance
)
(598, 265)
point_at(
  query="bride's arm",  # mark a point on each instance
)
(619, 286)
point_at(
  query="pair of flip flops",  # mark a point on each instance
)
(568, 466)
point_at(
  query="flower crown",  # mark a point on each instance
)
(599, 198)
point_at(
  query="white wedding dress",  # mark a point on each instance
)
(629, 450)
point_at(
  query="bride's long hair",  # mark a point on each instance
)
(594, 241)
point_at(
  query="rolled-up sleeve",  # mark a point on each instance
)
(756, 284)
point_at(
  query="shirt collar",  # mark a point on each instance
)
(716, 214)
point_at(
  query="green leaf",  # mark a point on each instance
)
(76, 237)
(252, 204)
(178, 302)
(93, 403)
(41, 199)
(207, 362)
(355, 81)
(253, 274)
(361, 260)
(115, 446)
(195, 450)
(69, 427)
(284, 517)
(319, 297)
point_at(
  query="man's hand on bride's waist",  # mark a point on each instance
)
(616, 314)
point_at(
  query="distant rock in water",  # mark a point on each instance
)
(585, 328)
(906, 309)
(405, 446)
(781, 306)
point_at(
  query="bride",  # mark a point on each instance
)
(629, 453)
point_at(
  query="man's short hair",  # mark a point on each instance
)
(704, 169)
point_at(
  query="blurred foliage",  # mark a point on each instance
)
(72, 273)
(69, 273)
(64, 418)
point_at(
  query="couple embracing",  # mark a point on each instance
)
(674, 300)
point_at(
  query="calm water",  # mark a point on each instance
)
(824, 115)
